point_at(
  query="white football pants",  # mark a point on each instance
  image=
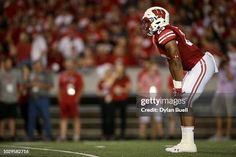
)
(196, 79)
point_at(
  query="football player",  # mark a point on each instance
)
(182, 55)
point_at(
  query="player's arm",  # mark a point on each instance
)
(175, 64)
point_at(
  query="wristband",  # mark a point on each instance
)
(177, 84)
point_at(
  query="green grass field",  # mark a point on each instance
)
(135, 148)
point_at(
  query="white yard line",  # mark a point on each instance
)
(100, 146)
(53, 150)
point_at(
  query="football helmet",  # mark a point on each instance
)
(153, 20)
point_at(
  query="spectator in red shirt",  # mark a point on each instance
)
(103, 91)
(23, 49)
(151, 78)
(119, 93)
(70, 90)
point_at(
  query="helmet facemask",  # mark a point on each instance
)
(146, 27)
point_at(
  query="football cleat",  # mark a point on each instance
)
(183, 147)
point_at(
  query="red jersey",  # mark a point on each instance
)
(189, 53)
(122, 83)
(70, 85)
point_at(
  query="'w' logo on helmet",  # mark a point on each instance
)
(159, 13)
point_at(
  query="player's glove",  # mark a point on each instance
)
(177, 92)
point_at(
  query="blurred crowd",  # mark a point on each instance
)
(103, 31)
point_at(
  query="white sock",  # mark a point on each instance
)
(187, 134)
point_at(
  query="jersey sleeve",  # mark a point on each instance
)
(165, 36)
